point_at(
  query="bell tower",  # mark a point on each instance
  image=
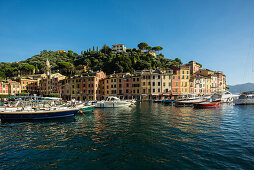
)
(48, 68)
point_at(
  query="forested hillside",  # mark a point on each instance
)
(69, 62)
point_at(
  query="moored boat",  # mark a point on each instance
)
(113, 102)
(207, 104)
(87, 109)
(37, 114)
(245, 98)
(223, 97)
(188, 100)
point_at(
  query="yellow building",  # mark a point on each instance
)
(184, 79)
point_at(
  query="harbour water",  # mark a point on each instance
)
(148, 136)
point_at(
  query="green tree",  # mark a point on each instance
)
(142, 45)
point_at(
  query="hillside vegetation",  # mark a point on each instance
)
(69, 63)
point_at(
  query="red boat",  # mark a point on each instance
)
(207, 104)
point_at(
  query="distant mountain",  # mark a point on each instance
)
(236, 89)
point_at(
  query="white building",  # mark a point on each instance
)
(118, 48)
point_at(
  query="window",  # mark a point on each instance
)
(159, 76)
(159, 90)
(115, 86)
(164, 84)
(120, 85)
(159, 83)
(120, 80)
(144, 83)
(176, 83)
(153, 90)
(149, 90)
(111, 80)
(14, 91)
(144, 90)
(187, 77)
(133, 79)
(23, 82)
(178, 77)
(114, 80)
(149, 83)
(107, 92)
(107, 81)
(127, 85)
(133, 91)
(187, 72)
(173, 77)
(169, 77)
(13, 86)
(153, 83)
(127, 91)
(137, 91)
(137, 79)
(153, 77)
(164, 77)
(149, 77)
(182, 77)
(183, 71)
(73, 92)
(169, 84)
(73, 86)
(111, 85)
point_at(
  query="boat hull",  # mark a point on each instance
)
(37, 115)
(188, 102)
(207, 105)
(112, 105)
(244, 101)
(87, 109)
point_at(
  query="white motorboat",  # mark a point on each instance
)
(223, 97)
(113, 102)
(245, 98)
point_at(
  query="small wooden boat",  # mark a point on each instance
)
(40, 114)
(207, 105)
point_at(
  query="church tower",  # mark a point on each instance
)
(48, 68)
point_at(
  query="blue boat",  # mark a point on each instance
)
(30, 115)
(166, 101)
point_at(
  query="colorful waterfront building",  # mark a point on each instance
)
(221, 81)
(4, 88)
(114, 85)
(184, 79)
(14, 87)
(82, 87)
(176, 81)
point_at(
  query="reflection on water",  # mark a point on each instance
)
(148, 136)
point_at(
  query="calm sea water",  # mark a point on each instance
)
(148, 136)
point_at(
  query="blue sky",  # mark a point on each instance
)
(216, 33)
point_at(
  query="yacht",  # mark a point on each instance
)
(113, 101)
(223, 97)
(245, 98)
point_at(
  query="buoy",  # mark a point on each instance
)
(80, 112)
